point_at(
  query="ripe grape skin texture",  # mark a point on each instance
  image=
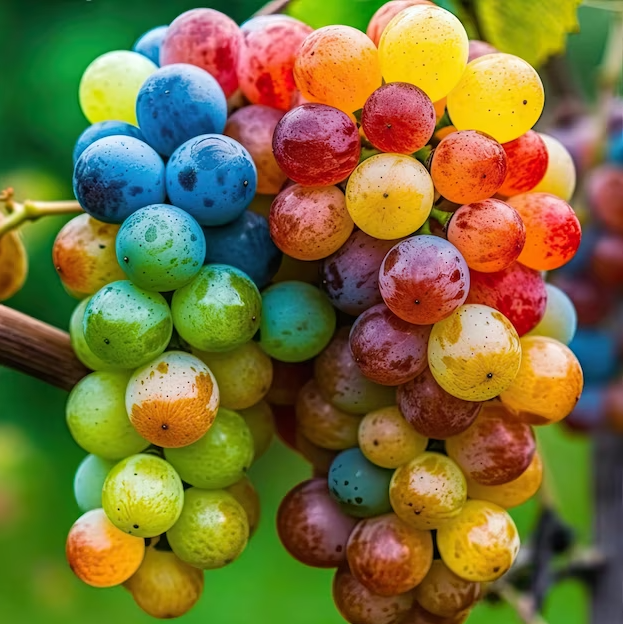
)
(149, 43)
(527, 159)
(386, 14)
(102, 129)
(244, 492)
(89, 481)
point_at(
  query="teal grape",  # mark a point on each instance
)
(89, 481)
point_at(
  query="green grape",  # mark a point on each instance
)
(143, 495)
(218, 459)
(89, 481)
(126, 326)
(261, 423)
(560, 320)
(97, 418)
(212, 531)
(244, 492)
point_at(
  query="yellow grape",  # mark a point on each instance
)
(426, 46)
(13, 264)
(499, 94)
(389, 196)
(475, 353)
(560, 175)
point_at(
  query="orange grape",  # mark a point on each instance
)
(527, 159)
(13, 264)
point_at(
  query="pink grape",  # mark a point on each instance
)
(605, 195)
(479, 48)
(527, 158)
(386, 14)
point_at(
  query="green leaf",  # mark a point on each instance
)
(318, 13)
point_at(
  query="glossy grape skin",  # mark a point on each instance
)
(386, 13)
(164, 586)
(435, 67)
(270, 44)
(480, 544)
(475, 353)
(253, 127)
(126, 326)
(350, 277)
(358, 605)
(261, 423)
(560, 320)
(479, 48)
(288, 379)
(316, 145)
(607, 260)
(338, 66)
(89, 481)
(361, 487)
(179, 102)
(605, 196)
(560, 176)
(398, 117)
(388, 440)
(244, 492)
(97, 418)
(432, 411)
(219, 310)
(341, 382)
(13, 263)
(596, 352)
(489, 234)
(110, 85)
(419, 615)
(243, 374)
(208, 39)
(389, 196)
(468, 166)
(149, 43)
(424, 279)
(499, 94)
(311, 526)
(99, 553)
(518, 292)
(297, 321)
(212, 530)
(388, 350)
(103, 129)
(527, 158)
(212, 177)
(388, 556)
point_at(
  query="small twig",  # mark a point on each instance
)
(521, 603)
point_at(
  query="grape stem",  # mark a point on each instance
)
(441, 216)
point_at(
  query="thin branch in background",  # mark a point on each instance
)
(523, 604)
(272, 8)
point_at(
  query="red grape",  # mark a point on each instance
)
(607, 259)
(479, 48)
(605, 195)
(527, 160)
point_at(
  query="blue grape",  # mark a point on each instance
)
(117, 175)
(103, 129)
(179, 102)
(212, 177)
(149, 43)
(615, 149)
(245, 244)
(596, 351)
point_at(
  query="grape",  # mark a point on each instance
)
(444, 594)
(389, 196)
(386, 13)
(607, 260)
(351, 275)
(479, 48)
(253, 127)
(101, 130)
(244, 492)
(515, 492)
(311, 526)
(243, 375)
(265, 68)
(428, 492)
(212, 177)
(179, 102)
(527, 158)
(338, 66)
(548, 384)
(440, 111)
(589, 414)
(361, 487)
(560, 320)
(489, 234)
(149, 43)
(89, 481)
(261, 423)
(553, 232)
(388, 350)
(358, 605)
(117, 175)
(143, 495)
(97, 418)
(424, 279)
(593, 302)
(398, 117)
(425, 46)
(208, 39)
(321, 423)
(13, 263)
(480, 544)
(518, 292)
(110, 84)
(316, 145)
(388, 556)
(99, 553)
(297, 321)
(219, 310)
(342, 384)
(419, 615)
(319, 458)
(560, 176)
(611, 404)
(212, 531)
(387, 439)
(605, 195)
(160, 247)
(288, 379)
(468, 166)
(596, 352)
(164, 586)
(431, 411)
(126, 326)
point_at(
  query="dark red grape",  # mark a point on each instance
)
(605, 195)
(607, 259)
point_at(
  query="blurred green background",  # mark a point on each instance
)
(45, 47)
